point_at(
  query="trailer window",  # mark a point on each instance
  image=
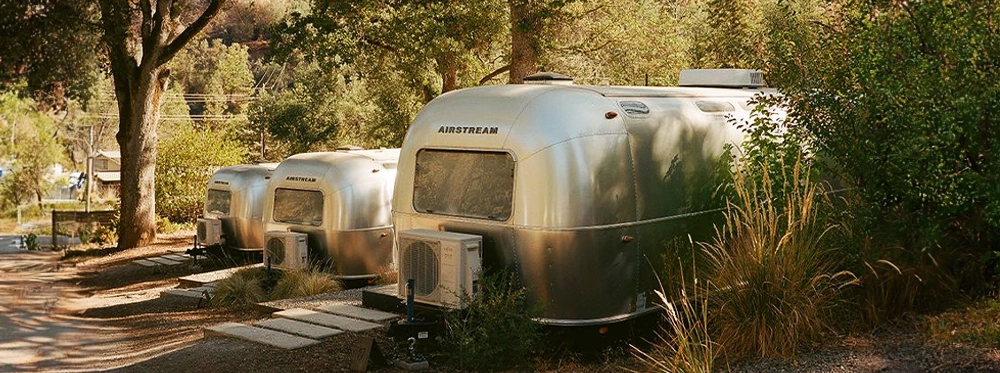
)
(217, 203)
(298, 206)
(464, 183)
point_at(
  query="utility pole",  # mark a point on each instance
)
(90, 168)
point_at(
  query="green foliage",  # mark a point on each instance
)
(52, 46)
(243, 288)
(497, 330)
(30, 241)
(320, 110)
(413, 38)
(29, 146)
(217, 82)
(185, 163)
(899, 96)
(164, 225)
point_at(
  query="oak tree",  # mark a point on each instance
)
(140, 37)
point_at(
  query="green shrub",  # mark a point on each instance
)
(243, 288)
(303, 283)
(496, 330)
(103, 235)
(185, 163)
(899, 95)
(164, 225)
(773, 282)
(30, 241)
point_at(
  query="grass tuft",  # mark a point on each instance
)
(303, 283)
(685, 345)
(243, 288)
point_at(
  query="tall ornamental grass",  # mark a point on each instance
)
(774, 283)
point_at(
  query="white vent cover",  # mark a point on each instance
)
(209, 231)
(286, 250)
(444, 266)
(729, 78)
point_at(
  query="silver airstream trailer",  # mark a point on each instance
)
(587, 193)
(234, 206)
(332, 209)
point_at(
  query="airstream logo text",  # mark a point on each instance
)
(220, 182)
(474, 130)
(301, 178)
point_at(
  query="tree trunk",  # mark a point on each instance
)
(449, 77)
(137, 140)
(524, 28)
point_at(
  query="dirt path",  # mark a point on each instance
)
(34, 335)
(99, 316)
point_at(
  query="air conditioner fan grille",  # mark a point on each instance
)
(421, 263)
(276, 250)
(202, 231)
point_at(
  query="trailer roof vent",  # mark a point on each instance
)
(546, 77)
(729, 78)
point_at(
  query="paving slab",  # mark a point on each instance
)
(326, 319)
(145, 263)
(176, 257)
(201, 289)
(184, 293)
(259, 335)
(358, 312)
(164, 261)
(200, 279)
(298, 328)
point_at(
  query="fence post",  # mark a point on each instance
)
(54, 242)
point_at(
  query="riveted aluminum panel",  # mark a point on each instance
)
(354, 238)
(247, 185)
(611, 187)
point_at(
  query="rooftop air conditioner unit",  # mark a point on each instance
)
(728, 78)
(209, 231)
(445, 266)
(286, 250)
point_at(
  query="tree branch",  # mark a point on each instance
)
(494, 74)
(147, 15)
(155, 38)
(190, 32)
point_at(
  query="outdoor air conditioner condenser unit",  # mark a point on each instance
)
(445, 266)
(286, 250)
(209, 231)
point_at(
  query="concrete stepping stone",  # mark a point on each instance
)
(259, 335)
(298, 328)
(185, 293)
(145, 263)
(199, 279)
(358, 312)
(326, 319)
(164, 261)
(176, 257)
